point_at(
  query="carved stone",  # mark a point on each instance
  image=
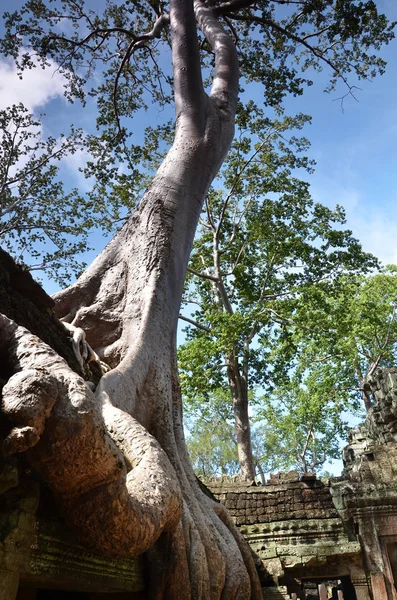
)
(37, 550)
(366, 496)
(296, 532)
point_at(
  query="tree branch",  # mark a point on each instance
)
(295, 38)
(136, 43)
(192, 322)
(25, 173)
(231, 6)
(225, 82)
(306, 444)
(235, 182)
(188, 83)
(203, 275)
(211, 224)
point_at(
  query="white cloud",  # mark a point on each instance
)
(371, 222)
(377, 233)
(76, 161)
(37, 87)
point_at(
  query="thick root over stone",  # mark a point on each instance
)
(119, 502)
(115, 483)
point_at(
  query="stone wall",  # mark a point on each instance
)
(294, 529)
(303, 530)
(285, 497)
(366, 496)
(38, 552)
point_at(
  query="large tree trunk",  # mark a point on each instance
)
(116, 458)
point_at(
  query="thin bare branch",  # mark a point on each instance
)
(26, 172)
(161, 22)
(232, 5)
(316, 33)
(203, 275)
(240, 253)
(192, 322)
(209, 214)
(204, 224)
(297, 39)
(235, 182)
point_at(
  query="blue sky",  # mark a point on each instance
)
(356, 153)
(355, 147)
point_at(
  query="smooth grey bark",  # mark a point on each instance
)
(237, 375)
(239, 393)
(116, 458)
(238, 382)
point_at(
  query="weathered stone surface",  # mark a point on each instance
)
(297, 528)
(366, 495)
(37, 547)
(304, 528)
(25, 302)
(284, 498)
(291, 524)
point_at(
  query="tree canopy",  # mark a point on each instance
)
(262, 244)
(41, 224)
(333, 340)
(117, 58)
(349, 334)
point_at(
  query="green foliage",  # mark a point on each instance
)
(262, 248)
(212, 449)
(210, 436)
(272, 453)
(212, 445)
(338, 336)
(116, 64)
(278, 43)
(310, 417)
(350, 332)
(266, 266)
(39, 219)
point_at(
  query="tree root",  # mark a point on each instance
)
(116, 485)
(119, 503)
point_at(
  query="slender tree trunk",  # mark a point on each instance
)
(365, 393)
(239, 393)
(116, 458)
(237, 383)
(261, 473)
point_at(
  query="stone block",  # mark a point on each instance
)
(9, 582)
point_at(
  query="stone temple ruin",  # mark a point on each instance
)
(307, 535)
(343, 534)
(310, 539)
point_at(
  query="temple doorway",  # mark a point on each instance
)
(310, 588)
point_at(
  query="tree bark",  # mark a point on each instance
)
(239, 393)
(116, 458)
(365, 392)
(238, 383)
